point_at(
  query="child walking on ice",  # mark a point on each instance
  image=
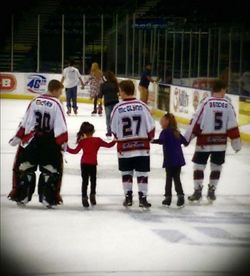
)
(171, 140)
(90, 146)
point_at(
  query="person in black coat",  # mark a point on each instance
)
(109, 91)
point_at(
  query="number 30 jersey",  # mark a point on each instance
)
(212, 124)
(43, 115)
(133, 127)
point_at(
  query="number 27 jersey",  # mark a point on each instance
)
(43, 115)
(213, 122)
(133, 127)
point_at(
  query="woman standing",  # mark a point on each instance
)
(109, 90)
(95, 82)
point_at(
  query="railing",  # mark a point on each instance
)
(126, 44)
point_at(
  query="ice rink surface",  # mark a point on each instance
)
(202, 239)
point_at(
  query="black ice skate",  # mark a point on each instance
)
(94, 112)
(69, 111)
(100, 110)
(128, 199)
(196, 196)
(211, 193)
(75, 111)
(143, 201)
(92, 199)
(180, 201)
(167, 201)
(85, 202)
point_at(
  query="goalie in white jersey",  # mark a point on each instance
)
(212, 124)
(133, 127)
(40, 137)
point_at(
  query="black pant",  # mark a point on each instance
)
(173, 173)
(88, 171)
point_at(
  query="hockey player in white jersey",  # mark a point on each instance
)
(212, 124)
(133, 127)
(40, 137)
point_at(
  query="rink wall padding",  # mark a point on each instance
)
(182, 101)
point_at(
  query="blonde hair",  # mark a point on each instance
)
(95, 70)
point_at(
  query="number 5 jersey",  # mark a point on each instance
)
(43, 115)
(133, 127)
(213, 122)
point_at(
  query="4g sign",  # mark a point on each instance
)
(7, 82)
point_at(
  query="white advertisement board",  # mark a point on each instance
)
(32, 83)
(184, 101)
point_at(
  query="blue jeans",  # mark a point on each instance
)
(108, 111)
(71, 95)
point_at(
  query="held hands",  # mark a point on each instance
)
(14, 141)
(64, 147)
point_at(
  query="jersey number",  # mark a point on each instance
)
(218, 123)
(42, 121)
(127, 129)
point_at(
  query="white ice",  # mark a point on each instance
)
(108, 239)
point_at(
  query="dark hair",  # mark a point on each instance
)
(54, 85)
(71, 62)
(110, 77)
(173, 124)
(218, 85)
(85, 128)
(128, 87)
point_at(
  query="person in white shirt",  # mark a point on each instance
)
(71, 76)
(212, 124)
(245, 84)
(134, 128)
(41, 137)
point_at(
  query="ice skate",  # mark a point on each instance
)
(94, 112)
(75, 111)
(100, 110)
(85, 202)
(47, 205)
(180, 201)
(143, 201)
(21, 204)
(92, 199)
(68, 111)
(196, 196)
(128, 199)
(211, 193)
(167, 201)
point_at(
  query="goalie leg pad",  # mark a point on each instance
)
(47, 186)
(26, 182)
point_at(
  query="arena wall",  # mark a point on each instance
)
(180, 100)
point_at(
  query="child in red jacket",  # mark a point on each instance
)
(90, 146)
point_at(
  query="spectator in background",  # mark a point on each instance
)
(245, 84)
(168, 76)
(95, 82)
(144, 83)
(109, 91)
(71, 76)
